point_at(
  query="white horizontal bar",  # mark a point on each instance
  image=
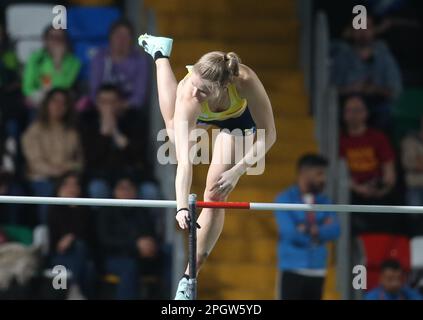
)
(89, 202)
(335, 208)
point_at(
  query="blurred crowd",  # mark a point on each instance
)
(381, 150)
(376, 72)
(71, 128)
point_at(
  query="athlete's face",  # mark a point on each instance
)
(201, 90)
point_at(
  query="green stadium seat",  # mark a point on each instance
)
(19, 234)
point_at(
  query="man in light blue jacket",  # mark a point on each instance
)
(303, 236)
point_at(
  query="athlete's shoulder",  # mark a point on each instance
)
(246, 74)
(247, 77)
(183, 89)
(185, 102)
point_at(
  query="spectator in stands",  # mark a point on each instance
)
(123, 65)
(11, 107)
(51, 145)
(70, 229)
(303, 236)
(127, 239)
(412, 159)
(114, 142)
(370, 159)
(368, 152)
(367, 67)
(53, 66)
(392, 285)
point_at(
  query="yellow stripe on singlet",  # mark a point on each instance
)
(235, 110)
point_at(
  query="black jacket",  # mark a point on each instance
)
(66, 219)
(103, 159)
(119, 228)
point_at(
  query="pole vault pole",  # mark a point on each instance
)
(192, 245)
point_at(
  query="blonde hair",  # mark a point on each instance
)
(218, 69)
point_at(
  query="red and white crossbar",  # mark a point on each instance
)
(203, 204)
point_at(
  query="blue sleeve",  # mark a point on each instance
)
(330, 231)
(412, 294)
(287, 226)
(372, 295)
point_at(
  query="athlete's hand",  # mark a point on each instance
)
(183, 219)
(225, 183)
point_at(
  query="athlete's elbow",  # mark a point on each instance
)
(271, 137)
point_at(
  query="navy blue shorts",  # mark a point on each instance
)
(244, 122)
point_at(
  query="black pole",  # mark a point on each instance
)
(192, 244)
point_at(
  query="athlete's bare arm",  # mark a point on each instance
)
(187, 110)
(251, 88)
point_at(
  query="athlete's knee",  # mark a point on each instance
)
(210, 196)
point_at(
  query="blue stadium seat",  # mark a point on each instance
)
(88, 29)
(85, 23)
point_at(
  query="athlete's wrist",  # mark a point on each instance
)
(240, 168)
(181, 210)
